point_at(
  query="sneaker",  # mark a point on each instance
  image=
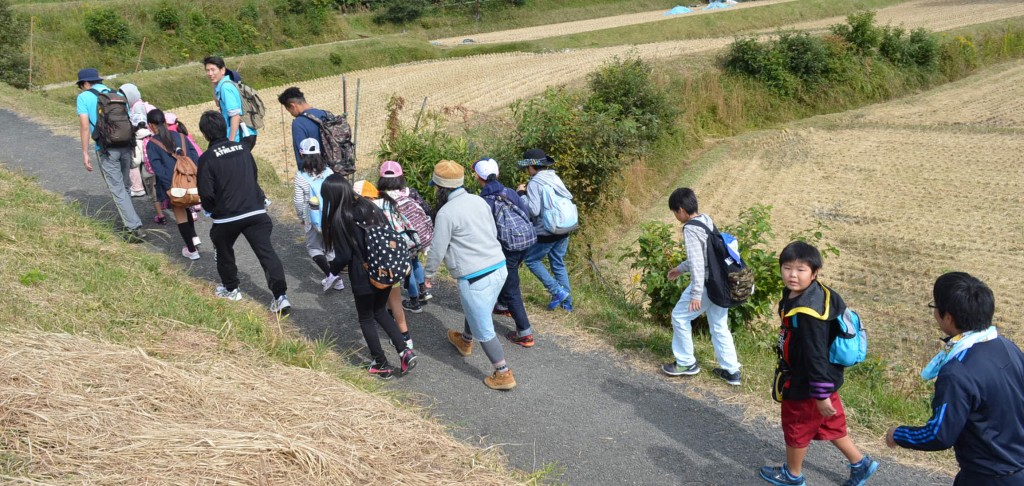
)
(500, 380)
(860, 472)
(412, 305)
(137, 235)
(424, 293)
(567, 306)
(408, 343)
(234, 295)
(525, 341)
(408, 361)
(196, 241)
(191, 255)
(280, 305)
(730, 378)
(781, 476)
(159, 219)
(463, 347)
(267, 202)
(673, 369)
(138, 193)
(557, 299)
(339, 284)
(330, 280)
(500, 310)
(381, 371)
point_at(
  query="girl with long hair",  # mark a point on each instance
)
(348, 214)
(160, 150)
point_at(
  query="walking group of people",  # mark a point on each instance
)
(385, 236)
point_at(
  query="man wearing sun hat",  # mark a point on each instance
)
(467, 239)
(114, 162)
(554, 247)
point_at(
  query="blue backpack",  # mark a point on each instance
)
(558, 214)
(515, 232)
(316, 206)
(851, 345)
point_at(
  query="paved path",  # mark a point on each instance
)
(599, 421)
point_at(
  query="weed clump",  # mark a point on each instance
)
(106, 26)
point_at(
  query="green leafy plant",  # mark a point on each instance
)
(401, 12)
(106, 26)
(167, 15)
(860, 32)
(628, 83)
(13, 63)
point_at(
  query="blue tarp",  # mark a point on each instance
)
(717, 5)
(678, 10)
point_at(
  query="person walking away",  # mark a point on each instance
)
(176, 126)
(467, 240)
(412, 206)
(229, 100)
(553, 246)
(345, 227)
(139, 156)
(294, 102)
(160, 150)
(306, 197)
(978, 402)
(114, 159)
(137, 110)
(499, 198)
(400, 225)
(694, 301)
(230, 192)
(806, 382)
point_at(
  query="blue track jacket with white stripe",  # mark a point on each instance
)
(978, 410)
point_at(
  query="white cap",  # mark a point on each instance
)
(485, 168)
(309, 146)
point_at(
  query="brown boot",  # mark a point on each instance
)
(464, 348)
(501, 380)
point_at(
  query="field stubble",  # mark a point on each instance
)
(911, 189)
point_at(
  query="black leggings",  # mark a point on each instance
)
(373, 307)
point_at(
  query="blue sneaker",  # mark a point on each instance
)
(567, 306)
(781, 476)
(860, 472)
(557, 299)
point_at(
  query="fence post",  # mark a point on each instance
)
(31, 47)
(284, 145)
(420, 115)
(138, 63)
(355, 130)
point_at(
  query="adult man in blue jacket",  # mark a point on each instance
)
(115, 162)
(978, 407)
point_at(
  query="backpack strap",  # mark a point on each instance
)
(316, 120)
(694, 222)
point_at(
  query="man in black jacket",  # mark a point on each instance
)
(230, 192)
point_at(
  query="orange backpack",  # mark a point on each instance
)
(184, 189)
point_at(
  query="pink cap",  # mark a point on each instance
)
(170, 118)
(390, 168)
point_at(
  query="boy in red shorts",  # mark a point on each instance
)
(805, 381)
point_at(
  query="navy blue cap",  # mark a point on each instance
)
(89, 75)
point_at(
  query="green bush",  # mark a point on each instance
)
(658, 252)
(629, 85)
(167, 15)
(860, 32)
(762, 62)
(13, 63)
(919, 48)
(401, 12)
(106, 26)
(807, 57)
(250, 12)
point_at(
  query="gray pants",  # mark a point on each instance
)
(115, 162)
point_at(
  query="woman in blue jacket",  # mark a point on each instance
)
(160, 151)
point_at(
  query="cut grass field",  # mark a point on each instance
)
(121, 368)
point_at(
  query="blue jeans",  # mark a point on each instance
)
(115, 163)
(415, 278)
(718, 324)
(478, 300)
(555, 251)
(510, 295)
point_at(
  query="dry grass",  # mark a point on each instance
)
(487, 83)
(912, 189)
(75, 411)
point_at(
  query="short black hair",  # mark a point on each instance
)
(215, 60)
(291, 95)
(966, 298)
(211, 123)
(801, 251)
(683, 198)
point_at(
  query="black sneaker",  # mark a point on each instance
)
(383, 372)
(425, 294)
(412, 305)
(730, 378)
(673, 369)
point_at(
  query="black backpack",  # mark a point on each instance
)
(336, 142)
(113, 123)
(729, 281)
(385, 255)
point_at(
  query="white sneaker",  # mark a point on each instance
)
(330, 280)
(280, 305)
(196, 241)
(339, 284)
(191, 255)
(234, 295)
(138, 193)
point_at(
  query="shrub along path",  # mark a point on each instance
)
(594, 418)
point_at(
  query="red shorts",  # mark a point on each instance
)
(802, 422)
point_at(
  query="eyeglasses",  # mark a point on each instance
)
(931, 305)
